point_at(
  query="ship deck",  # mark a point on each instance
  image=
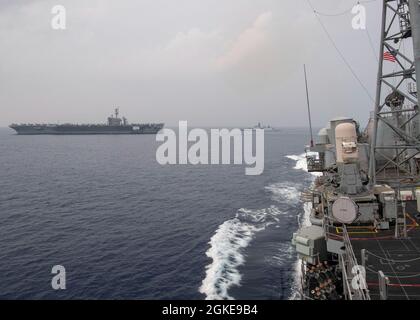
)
(398, 259)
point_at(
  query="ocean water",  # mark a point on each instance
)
(125, 227)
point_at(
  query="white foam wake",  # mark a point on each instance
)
(284, 192)
(234, 236)
(301, 163)
(227, 250)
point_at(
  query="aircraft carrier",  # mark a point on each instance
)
(363, 239)
(115, 125)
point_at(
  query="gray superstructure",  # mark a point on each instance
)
(363, 241)
(115, 125)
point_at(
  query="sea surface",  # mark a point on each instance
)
(125, 227)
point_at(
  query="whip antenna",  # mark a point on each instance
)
(309, 107)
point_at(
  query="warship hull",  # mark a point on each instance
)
(85, 129)
(114, 126)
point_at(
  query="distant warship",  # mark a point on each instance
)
(261, 126)
(363, 239)
(115, 125)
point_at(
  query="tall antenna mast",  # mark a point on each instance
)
(309, 107)
(395, 144)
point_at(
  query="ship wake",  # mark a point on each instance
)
(228, 244)
(227, 250)
(231, 239)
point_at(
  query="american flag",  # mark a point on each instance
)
(389, 56)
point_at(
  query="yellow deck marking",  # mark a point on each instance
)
(339, 230)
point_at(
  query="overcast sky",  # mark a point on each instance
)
(211, 62)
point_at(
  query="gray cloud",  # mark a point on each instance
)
(236, 62)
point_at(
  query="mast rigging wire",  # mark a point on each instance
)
(347, 11)
(372, 45)
(343, 12)
(341, 54)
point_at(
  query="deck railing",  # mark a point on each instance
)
(353, 274)
(354, 283)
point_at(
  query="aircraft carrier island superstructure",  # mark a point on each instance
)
(115, 125)
(363, 239)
